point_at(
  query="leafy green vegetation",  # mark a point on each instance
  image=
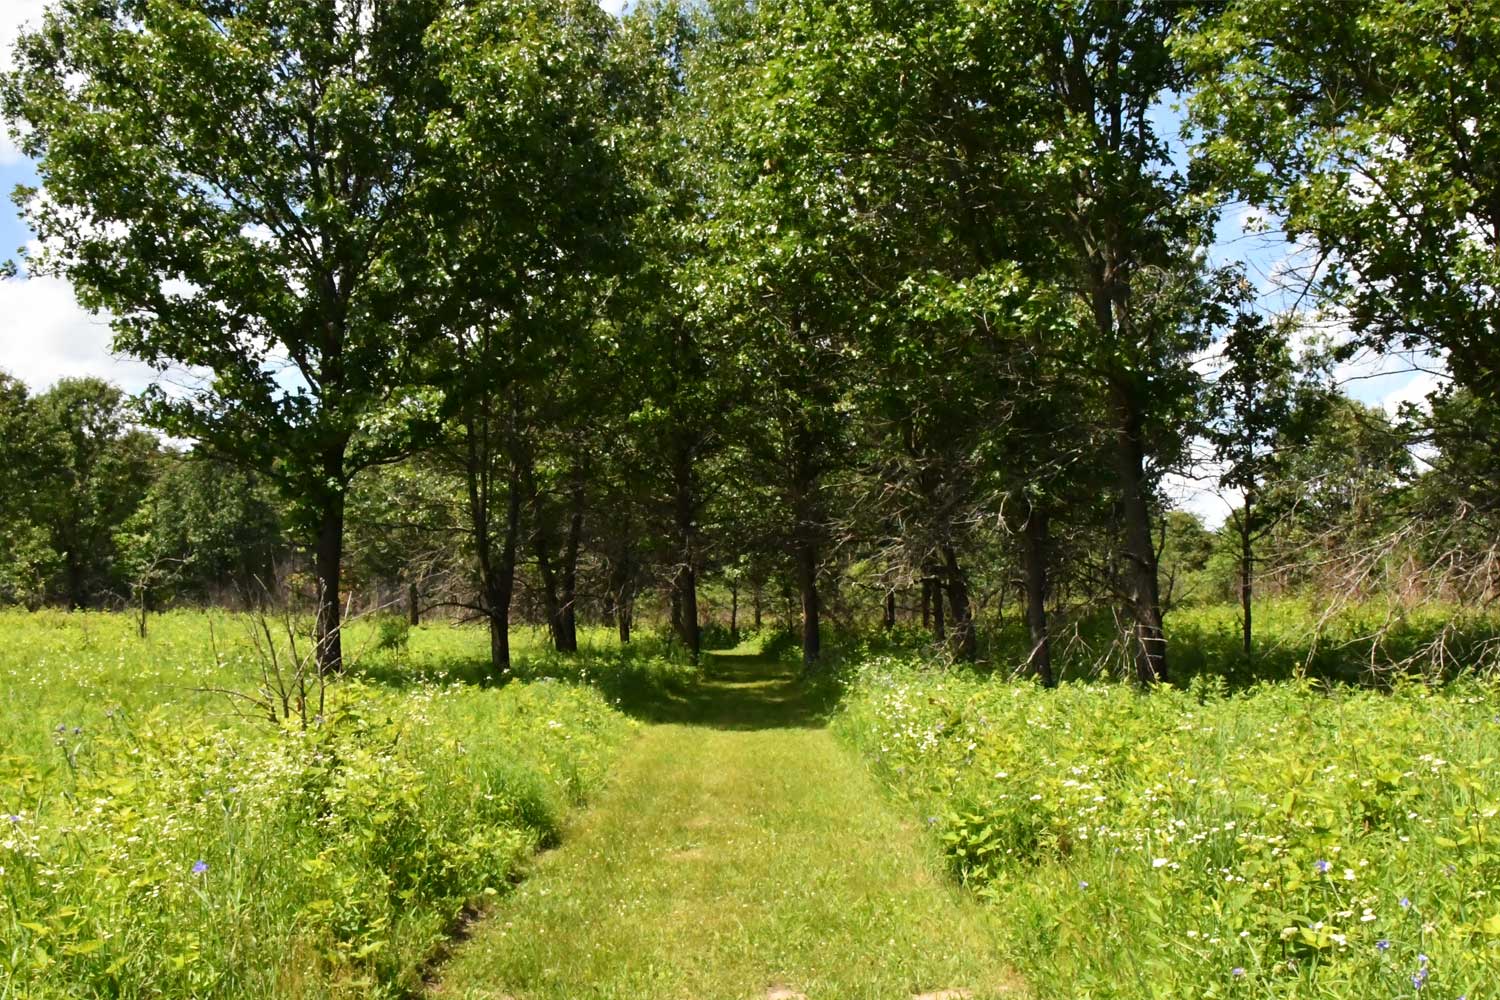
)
(513, 360)
(156, 843)
(1288, 839)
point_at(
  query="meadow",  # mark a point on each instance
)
(159, 838)
(1289, 837)
(1320, 820)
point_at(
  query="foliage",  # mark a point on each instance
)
(1286, 841)
(1371, 130)
(151, 849)
(81, 470)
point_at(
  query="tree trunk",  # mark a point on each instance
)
(685, 605)
(551, 605)
(806, 542)
(926, 603)
(328, 562)
(1246, 571)
(734, 613)
(413, 609)
(620, 597)
(567, 626)
(807, 584)
(501, 582)
(964, 642)
(685, 581)
(756, 598)
(939, 625)
(1034, 559)
(890, 610)
(1148, 638)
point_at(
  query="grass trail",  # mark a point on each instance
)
(740, 853)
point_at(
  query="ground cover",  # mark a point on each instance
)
(156, 842)
(1278, 839)
(740, 853)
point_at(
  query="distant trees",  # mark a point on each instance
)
(80, 469)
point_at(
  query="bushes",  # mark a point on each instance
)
(171, 853)
(1322, 842)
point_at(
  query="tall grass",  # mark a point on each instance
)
(155, 842)
(1231, 837)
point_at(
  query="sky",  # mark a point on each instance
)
(45, 335)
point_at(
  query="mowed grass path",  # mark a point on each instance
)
(740, 853)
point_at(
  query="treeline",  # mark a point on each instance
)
(842, 303)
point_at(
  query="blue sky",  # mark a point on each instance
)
(44, 335)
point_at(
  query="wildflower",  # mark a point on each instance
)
(1405, 903)
(1237, 972)
(1322, 866)
(1422, 961)
(14, 818)
(1083, 885)
(200, 866)
(1383, 944)
(1159, 863)
(1419, 980)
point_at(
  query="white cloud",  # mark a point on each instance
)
(45, 335)
(14, 15)
(1415, 390)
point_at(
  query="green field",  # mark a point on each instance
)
(158, 841)
(1282, 838)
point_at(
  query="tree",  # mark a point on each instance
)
(204, 530)
(1259, 407)
(1372, 130)
(1340, 494)
(1129, 235)
(517, 231)
(225, 180)
(98, 469)
(27, 561)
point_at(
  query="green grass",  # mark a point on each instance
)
(1261, 831)
(739, 850)
(1372, 642)
(1288, 840)
(156, 843)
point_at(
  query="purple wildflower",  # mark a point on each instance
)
(200, 866)
(1382, 945)
(1237, 972)
(1322, 866)
(1405, 903)
(1419, 980)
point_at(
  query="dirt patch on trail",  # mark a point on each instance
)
(943, 995)
(784, 993)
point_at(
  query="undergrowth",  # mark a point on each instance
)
(1275, 838)
(155, 843)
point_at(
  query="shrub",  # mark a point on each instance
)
(1324, 841)
(170, 852)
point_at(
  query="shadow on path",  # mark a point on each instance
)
(743, 689)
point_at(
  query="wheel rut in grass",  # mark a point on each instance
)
(740, 853)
